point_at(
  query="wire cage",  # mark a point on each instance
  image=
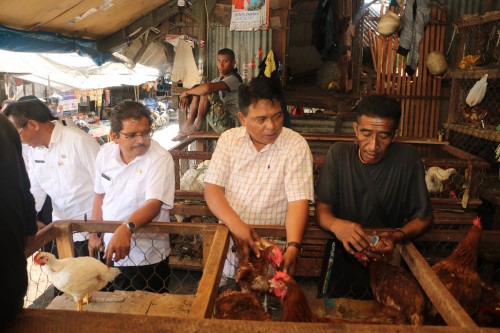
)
(191, 247)
(196, 279)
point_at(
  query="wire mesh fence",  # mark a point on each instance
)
(185, 268)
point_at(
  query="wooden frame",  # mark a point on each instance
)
(202, 308)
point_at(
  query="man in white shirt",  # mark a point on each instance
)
(135, 184)
(61, 163)
(261, 173)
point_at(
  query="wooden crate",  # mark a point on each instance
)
(215, 244)
(201, 308)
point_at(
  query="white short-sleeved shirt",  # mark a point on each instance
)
(259, 185)
(129, 186)
(66, 172)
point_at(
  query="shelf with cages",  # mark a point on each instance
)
(478, 55)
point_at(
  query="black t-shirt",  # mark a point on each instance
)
(399, 182)
(17, 220)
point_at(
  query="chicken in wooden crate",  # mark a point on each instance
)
(252, 277)
(78, 277)
(436, 180)
(458, 272)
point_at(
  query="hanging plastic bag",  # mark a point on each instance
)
(476, 94)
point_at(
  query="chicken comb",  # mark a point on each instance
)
(35, 257)
(477, 222)
(276, 255)
(281, 275)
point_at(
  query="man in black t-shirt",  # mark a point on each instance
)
(18, 215)
(373, 182)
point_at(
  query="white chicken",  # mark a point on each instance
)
(435, 176)
(76, 276)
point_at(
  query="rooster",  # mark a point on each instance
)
(76, 276)
(253, 273)
(458, 273)
(434, 178)
(395, 288)
(233, 304)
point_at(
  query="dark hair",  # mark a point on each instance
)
(257, 89)
(126, 110)
(379, 106)
(228, 52)
(28, 108)
(7, 102)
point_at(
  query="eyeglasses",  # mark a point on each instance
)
(132, 136)
(22, 127)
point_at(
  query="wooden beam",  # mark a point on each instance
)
(43, 236)
(447, 306)
(153, 19)
(64, 239)
(203, 303)
(41, 320)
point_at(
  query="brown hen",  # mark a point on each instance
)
(458, 273)
(237, 305)
(395, 288)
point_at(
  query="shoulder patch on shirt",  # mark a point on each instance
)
(105, 177)
(39, 161)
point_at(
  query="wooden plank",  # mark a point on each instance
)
(308, 137)
(64, 239)
(463, 155)
(208, 239)
(59, 321)
(447, 306)
(152, 227)
(199, 210)
(43, 236)
(203, 303)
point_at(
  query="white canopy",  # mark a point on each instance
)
(69, 70)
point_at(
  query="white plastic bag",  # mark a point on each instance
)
(476, 93)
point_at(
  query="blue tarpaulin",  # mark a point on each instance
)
(47, 42)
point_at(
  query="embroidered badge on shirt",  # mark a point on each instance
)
(138, 171)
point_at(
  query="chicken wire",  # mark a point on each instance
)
(185, 261)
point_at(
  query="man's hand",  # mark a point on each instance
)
(290, 260)
(386, 243)
(183, 100)
(40, 225)
(119, 245)
(352, 236)
(245, 237)
(94, 243)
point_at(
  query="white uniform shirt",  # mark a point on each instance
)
(127, 187)
(66, 172)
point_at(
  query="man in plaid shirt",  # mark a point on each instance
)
(261, 174)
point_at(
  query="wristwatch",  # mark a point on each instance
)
(296, 245)
(130, 225)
